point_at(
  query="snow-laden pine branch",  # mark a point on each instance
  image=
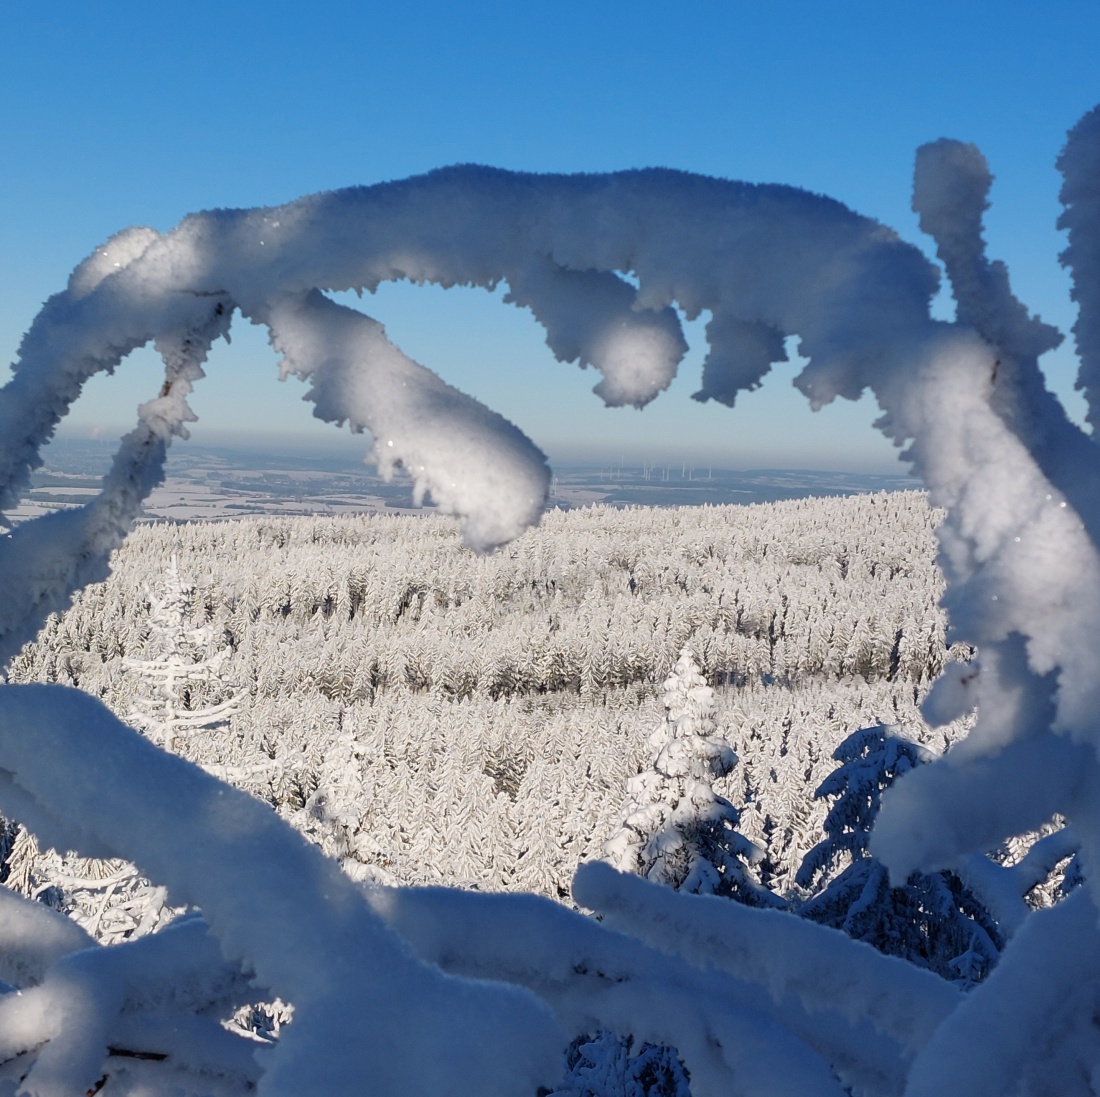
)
(278, 907)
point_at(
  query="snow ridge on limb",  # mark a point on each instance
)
(819, 966)
(1079, 164)
(83, 1011)
(950, 193)
(34, 938)
(149, 998)
(733, 1035)
(471, 461)
(276, 905)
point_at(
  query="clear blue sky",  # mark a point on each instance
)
(119, 113)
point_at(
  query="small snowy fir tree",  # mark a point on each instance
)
(332, 816)
(607, 1065)
(110, 898)
(677, 830)
(181, 660)
(932, 920)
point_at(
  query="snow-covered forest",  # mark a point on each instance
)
(925, 924)
(458, 719)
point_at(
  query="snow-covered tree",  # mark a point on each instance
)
(107, 897)
(931, 919)
(181, 658)
(110, 898)
(606, 1065)
(676, 829)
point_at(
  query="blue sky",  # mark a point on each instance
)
(121, 113)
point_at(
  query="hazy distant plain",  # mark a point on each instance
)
(206, 483)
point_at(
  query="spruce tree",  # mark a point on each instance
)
(181, 661)
(932, 919)
(605, 1064)
(677, 830)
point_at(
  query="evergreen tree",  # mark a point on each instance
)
(607, 1065)
(677, 830)
(182, 660)
(931, 920)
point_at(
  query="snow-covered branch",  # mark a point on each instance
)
(79, 778)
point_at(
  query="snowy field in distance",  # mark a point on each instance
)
(215, 482)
